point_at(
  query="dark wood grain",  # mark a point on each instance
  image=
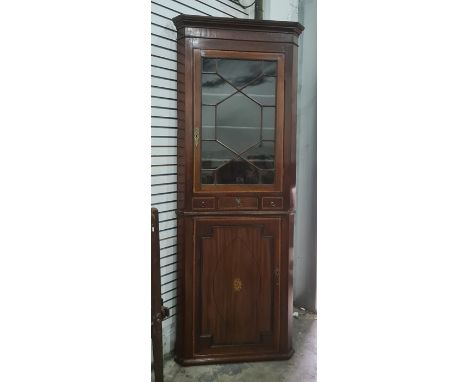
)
(235, 242)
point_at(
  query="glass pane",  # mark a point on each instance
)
(214, 155)
(267, 177)
(237, 172)
(207, 177)
(215, 89)
(263, 91)
(268, 129)
(239, 72)
(262, 156)
(238, 122)
(209, 65)
(208, 122)
(269, 68)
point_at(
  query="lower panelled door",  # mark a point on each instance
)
(237, 276)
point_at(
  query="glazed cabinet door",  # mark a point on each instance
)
(237, 279)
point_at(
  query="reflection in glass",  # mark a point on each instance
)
(262, 156)
(268, 119)
(238, 172)
(208, 122)
(268, 177)
(214, 155)
(269, 68)
(215, 89)
(209, 65)
(263, 91)
(238, 122)
(207, 177)
(239, 72)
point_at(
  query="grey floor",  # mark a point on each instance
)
(301, 367)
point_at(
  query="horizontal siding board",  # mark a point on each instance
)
(160, 200)
(168, 225)
(227, 4)
(170, 257)
(164, 151)
(162, 170)
(168, 277)
(163, 201)
(169, 267)
(167, 241)
(169, 252)
(167, 216)
(162, 21)
(158, 161)
(169, 295)
(169, 286)
(163, 62)
(163, 141)
(206, 7)
(164, 179)
(166, 12)
(163, 42)
(169, 205)
(158, 131)
(163, 188)
(164, 123)
(158, 30)
(165, 103)
(164, 72)
(163, 82)
(163, 113)
(160, 51)
(167, 93)
(167, 233)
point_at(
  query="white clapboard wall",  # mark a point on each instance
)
(164, 133)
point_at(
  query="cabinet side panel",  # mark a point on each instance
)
(181, 127)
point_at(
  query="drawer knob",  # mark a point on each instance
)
(273, 204)
(238, 202)
(203, 203)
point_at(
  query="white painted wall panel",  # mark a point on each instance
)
(164, 122)
(165, 169)
(164, 103)
(169, 74)
(166, 93)
(164, 113)
(164, 63)
(164, 132)
(163, 140)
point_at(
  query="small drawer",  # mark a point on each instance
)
(272, 203)
(237, 203)
(203, 203)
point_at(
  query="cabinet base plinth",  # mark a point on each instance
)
(209, 360)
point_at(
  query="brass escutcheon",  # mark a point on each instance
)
(196, 136)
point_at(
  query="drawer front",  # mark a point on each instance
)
(203, 203)
(237, 203)
(272, 203)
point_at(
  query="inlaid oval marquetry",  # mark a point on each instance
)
(237, 284)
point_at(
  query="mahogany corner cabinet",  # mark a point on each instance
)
(236, 170)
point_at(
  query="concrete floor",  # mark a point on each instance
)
(301, 367)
